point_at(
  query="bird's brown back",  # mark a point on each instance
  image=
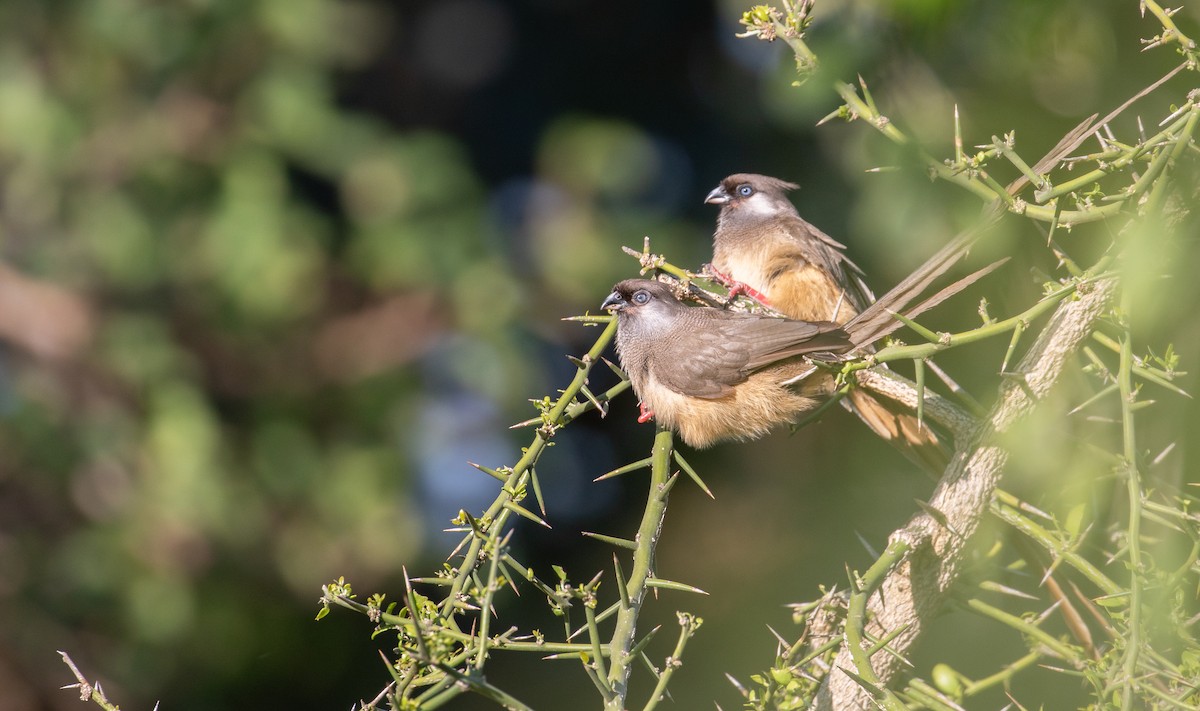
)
(801, 270)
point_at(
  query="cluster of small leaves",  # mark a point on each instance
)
(768, 23)
(789, 684)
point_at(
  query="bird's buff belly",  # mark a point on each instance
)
(753, 408)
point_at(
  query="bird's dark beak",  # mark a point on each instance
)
(614, 302)
(718, 196)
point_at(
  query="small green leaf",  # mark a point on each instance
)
(1075, 519)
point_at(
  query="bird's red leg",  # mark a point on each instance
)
(644, 415)
(736, 287)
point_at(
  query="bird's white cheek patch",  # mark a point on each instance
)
(653, 321)
(760, 205)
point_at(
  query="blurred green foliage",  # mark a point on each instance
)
(221, 282)
(176, 450)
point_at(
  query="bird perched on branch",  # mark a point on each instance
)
(763, 248)
(713, 374)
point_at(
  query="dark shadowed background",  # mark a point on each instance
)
(273, 271)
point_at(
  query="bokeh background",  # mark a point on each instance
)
(273, 271)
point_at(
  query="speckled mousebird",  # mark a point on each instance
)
(763, 247)
(712, 374)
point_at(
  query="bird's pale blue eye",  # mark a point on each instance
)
(641, 297)
(745, 190)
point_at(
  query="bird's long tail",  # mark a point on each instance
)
(878, 320)
(892, 421)
(900, 428)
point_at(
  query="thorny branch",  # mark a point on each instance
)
(916, 586)
(937, 537)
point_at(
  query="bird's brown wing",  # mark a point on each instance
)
(771, 340)
(812, 278)
(835, 262)
(725, 348)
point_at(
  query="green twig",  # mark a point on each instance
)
(1005, 507)
(485, 606)
(1028, 628)
(643, 559)
(499, 510)
(950, 340)
(87, 690)
(1004, 676)
(688, 624)
(1005, 147)
(1134, 486)
(593, 628)
(1170, 31)
(856, 621)
(1126, 159)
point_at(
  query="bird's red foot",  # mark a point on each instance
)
(644, 415)
(736, 287)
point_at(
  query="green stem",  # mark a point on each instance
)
(473, 639)
(621, 660)
(485, 607)
(498, 512)
(1158, 192)
(479, 686)
(1134, 487)
(982, 185)
(924, 350)
(1170, 31)
(1042, 213)
(1037, 181)
(1028, 628)
(687, 628)
(1005, 506)
(806, 59)
(856, 620)
(1002, 676)
(589, 611)
(1127, 158)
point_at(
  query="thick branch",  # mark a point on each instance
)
(938, 409)
(914, 591)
